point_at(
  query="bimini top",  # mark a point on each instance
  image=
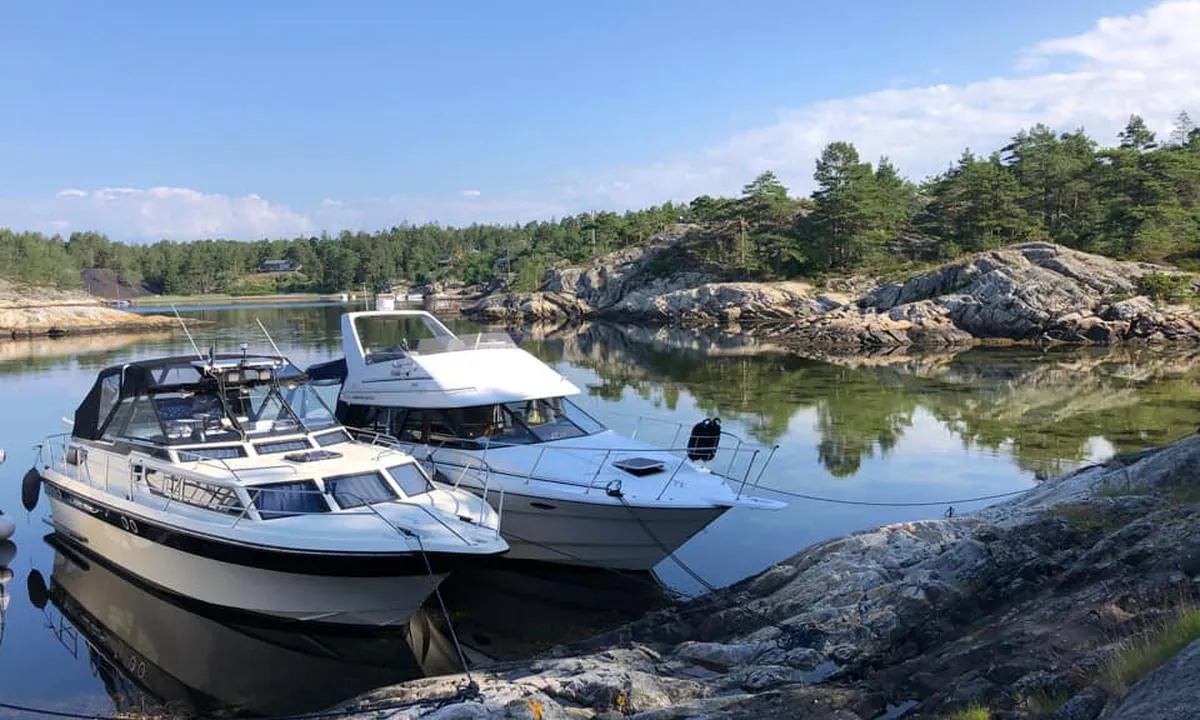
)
(178, 385)
(407, 358)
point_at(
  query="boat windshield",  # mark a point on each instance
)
(257, 409)
(524, 422)
(391, 337)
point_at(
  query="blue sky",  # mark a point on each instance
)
(148, 119)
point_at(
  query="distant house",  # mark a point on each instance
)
(273, 266)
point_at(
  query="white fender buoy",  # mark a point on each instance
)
(3, 456)
(7, 528)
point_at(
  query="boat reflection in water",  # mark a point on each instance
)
(8, 551)
(511, 610)
(160, 653)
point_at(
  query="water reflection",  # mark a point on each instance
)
(156, 653)
(8, 550)
(32, 355)
(509, 610)
(1043, 407)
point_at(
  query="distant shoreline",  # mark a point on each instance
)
(217, 298)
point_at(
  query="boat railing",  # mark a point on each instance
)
(393, 444)
(465, 461)
(245, 496)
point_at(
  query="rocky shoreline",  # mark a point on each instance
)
(27, 311)
(1026, 293)
(1022, 608)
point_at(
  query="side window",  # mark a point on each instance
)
(288, 498)
(410, 478)
(144, 423)
(110, 392)
(410, 428)
(356, 415)
(351, 491)
(118, 421)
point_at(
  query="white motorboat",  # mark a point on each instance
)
(228, 481)
(483, 413)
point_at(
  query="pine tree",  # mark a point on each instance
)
(1136, 136)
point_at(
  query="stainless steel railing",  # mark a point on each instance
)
(476, 460)
(55, 446)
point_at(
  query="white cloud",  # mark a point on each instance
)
(1148, 63)
(159, 212)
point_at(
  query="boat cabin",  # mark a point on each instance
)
(224, 407)
(406, 375)
(255, 420)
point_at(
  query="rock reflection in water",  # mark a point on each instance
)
(509, 609)
(1042, 405)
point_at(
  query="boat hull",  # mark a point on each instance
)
(596, 534)
(375, 599)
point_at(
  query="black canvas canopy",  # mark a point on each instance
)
(334, 370)
(170, 374)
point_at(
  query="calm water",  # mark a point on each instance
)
(886, 428)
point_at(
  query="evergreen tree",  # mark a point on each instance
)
(1136, 136)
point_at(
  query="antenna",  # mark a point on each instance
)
(191, 339)
(264, 329)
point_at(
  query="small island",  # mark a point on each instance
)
(36, 311)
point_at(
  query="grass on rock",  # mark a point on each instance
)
(1148, 651)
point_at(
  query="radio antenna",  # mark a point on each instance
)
(191, 339)
(264, 329)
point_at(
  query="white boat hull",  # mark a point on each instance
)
(597, 534)
(384, 600)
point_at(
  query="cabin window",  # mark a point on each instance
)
(217, 498)
(282, 446)
(288, 498)
(193, 417)
(359, 416)
(333, 438)
(226, 452)
(351, 491)
(410, 478)
(588, 424)
(110, 393)
(411, 427)
(308, 406)
(143, 424)
(544, 418)
(265, 412)
(119, 419)
(381, 419)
